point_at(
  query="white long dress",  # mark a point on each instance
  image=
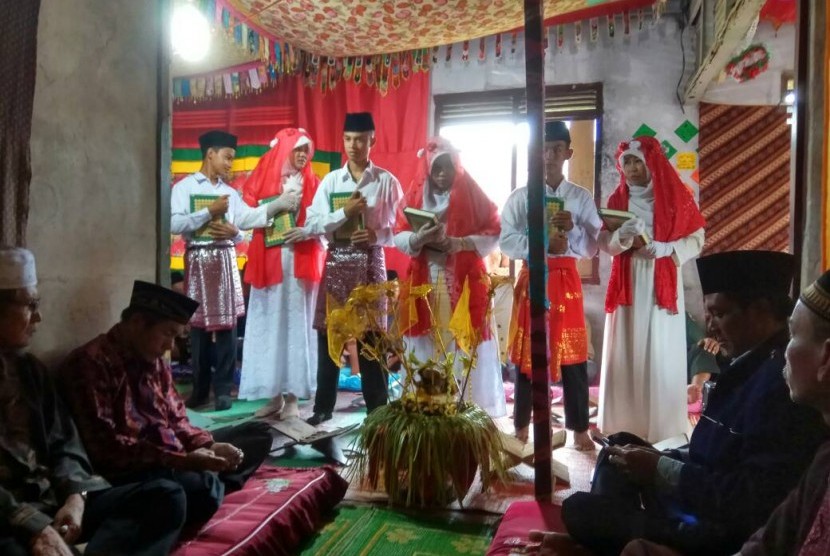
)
(279, 354)
(643, 384)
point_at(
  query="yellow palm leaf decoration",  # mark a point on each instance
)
(408, 310)
(342, 324)
(461, 323)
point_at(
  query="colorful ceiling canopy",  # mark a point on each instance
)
(364, 27)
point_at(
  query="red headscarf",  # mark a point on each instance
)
(264, 266)
(676, 216)
(470, 212)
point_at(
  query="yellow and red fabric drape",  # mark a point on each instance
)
(265, 264)
(470, 212)
(676, 215)
(566, 318)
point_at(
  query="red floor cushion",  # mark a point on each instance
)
(517, 522)
(276, 510)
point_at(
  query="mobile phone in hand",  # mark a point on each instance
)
(600, 438)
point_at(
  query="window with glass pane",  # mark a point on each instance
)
(492, 134)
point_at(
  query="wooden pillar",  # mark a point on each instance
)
(807, 222)
(537, 240)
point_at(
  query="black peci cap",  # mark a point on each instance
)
(162, 301)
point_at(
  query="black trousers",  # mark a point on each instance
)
(224, 350)
(205, 490)
(575, 392)
(372, 380)
(617, 511)
(134, 519)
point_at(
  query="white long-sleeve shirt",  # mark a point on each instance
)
(184, 222)
(582, 238)
(379, 187)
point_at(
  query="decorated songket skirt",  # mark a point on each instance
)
(348, 266)
(567, 338)
(212, 279)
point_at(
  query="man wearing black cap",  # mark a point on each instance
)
(369, 196)
(573, 233)
(745, 454)
(49, 497)
(133, 421)
(210, 214)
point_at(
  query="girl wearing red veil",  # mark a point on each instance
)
(449, 255)
(643, 385)
(277, 357)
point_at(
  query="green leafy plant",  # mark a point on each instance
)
(425, 448)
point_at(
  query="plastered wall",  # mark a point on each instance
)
(93, 224)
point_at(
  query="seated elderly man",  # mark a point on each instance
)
(800, 524)
(132, 420)
(746, 452)
(49, 497)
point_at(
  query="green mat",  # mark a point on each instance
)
(369, 531)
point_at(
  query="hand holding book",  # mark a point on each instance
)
(631, 228)
(219, 206)
(222, 230)
(287, 202)
(365, 235)
(353, 205)
(356, 204)
(294, 235)
(427, 235)
(562, 220)
(627, 224)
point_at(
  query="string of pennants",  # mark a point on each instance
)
(278, 59)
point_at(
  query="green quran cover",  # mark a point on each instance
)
(280, 223)
(197, 203)
(350, 226)
(552, 206)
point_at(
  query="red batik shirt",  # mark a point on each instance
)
(129, 414)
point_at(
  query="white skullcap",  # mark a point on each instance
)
(303, 140)
(632, 150)
(17, 268)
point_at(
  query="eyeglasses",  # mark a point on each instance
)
(32, 304)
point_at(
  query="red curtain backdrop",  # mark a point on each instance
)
(400, 118)
(255, 119)
(744, 177)
(401, 122)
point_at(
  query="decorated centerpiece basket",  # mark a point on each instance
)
(425, 448)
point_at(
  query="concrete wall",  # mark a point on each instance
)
(93, 224)
(639, 74)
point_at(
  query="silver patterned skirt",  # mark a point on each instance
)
(348, 266)
(211, 277)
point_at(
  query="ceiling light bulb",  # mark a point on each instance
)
(190, 32)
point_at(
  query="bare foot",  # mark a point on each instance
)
(583, 442)
(522, 434)
(273, 408)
